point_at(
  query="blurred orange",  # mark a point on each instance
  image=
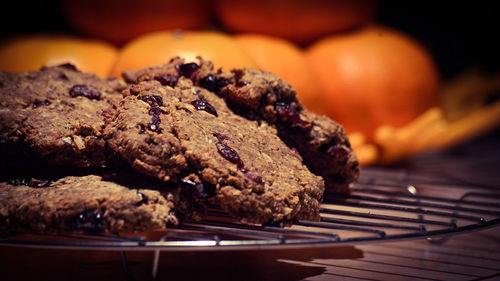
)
(121, 20)
(375, 76)
(32, 52)
(286, 60)
(159, 47)
(300, 21)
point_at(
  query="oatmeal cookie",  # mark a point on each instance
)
(59, 113)
(263, 96)
(85, 204)
(186, 134)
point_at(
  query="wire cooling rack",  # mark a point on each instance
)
(383, 206)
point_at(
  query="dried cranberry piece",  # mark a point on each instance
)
(31, 183)
(287, 113)
(156, 111)
(142, 129)
(90, 221)
(153, 100)
(242, 84)
(186, 110)
(201, 104)
(143, 197)
(198, 190)
(39, 183)
(209, 82)
(187, 69)
(220, 137)
(18, 182)
(337, 151)
(275, 223)
(229, 154)
(167, 79)
(86, 91)
(250, 176)
(221, 82)
(68, 66)
(254, 178)
(38, 103)
(213, 84)
(155, 124)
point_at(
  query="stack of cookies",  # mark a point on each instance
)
(85, 154)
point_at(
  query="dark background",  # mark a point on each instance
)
(460, 35)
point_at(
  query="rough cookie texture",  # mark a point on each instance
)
(260, 95)
(58, 112)
(81, 204)
(186, 134)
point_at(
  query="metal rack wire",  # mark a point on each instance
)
(383, 206)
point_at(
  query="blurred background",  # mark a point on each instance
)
(402, 77)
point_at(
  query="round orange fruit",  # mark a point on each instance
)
(33, 52)
(159, 47)
(119, 21)
(375, 76)
(300, 21)
(286, 60)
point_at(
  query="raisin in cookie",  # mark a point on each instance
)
(59, 113)
(81, 204)
(260, 95)
(187, 134)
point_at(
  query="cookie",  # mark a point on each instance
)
(85, 204)
(262, 96)
(182, 133)
(59, 113)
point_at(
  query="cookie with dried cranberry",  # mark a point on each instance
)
(86, 204)
(260, 95)
(187, 134)
(58, 112)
